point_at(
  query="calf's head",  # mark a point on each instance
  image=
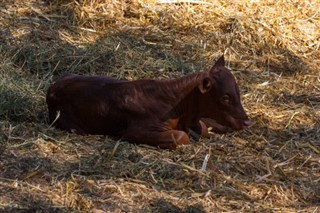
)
(220, 98)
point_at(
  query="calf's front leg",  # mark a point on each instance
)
(198, 130)
(169, 139)
(216, 127)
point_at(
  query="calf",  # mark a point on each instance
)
(154, 112)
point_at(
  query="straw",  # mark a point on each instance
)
(272, 48)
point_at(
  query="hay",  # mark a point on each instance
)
(273, 50)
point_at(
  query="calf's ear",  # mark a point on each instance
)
(205, 85)
(220, 62)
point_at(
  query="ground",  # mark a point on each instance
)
(272, 48)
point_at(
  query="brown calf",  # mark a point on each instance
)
(154, 112)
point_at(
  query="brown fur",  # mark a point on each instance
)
(154, 112)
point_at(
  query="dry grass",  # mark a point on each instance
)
(273, 48)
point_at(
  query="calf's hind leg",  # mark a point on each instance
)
(68, 124)
(164, 139)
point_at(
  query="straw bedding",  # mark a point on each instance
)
(273, 50)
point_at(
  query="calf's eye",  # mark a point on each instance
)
(226, 99)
